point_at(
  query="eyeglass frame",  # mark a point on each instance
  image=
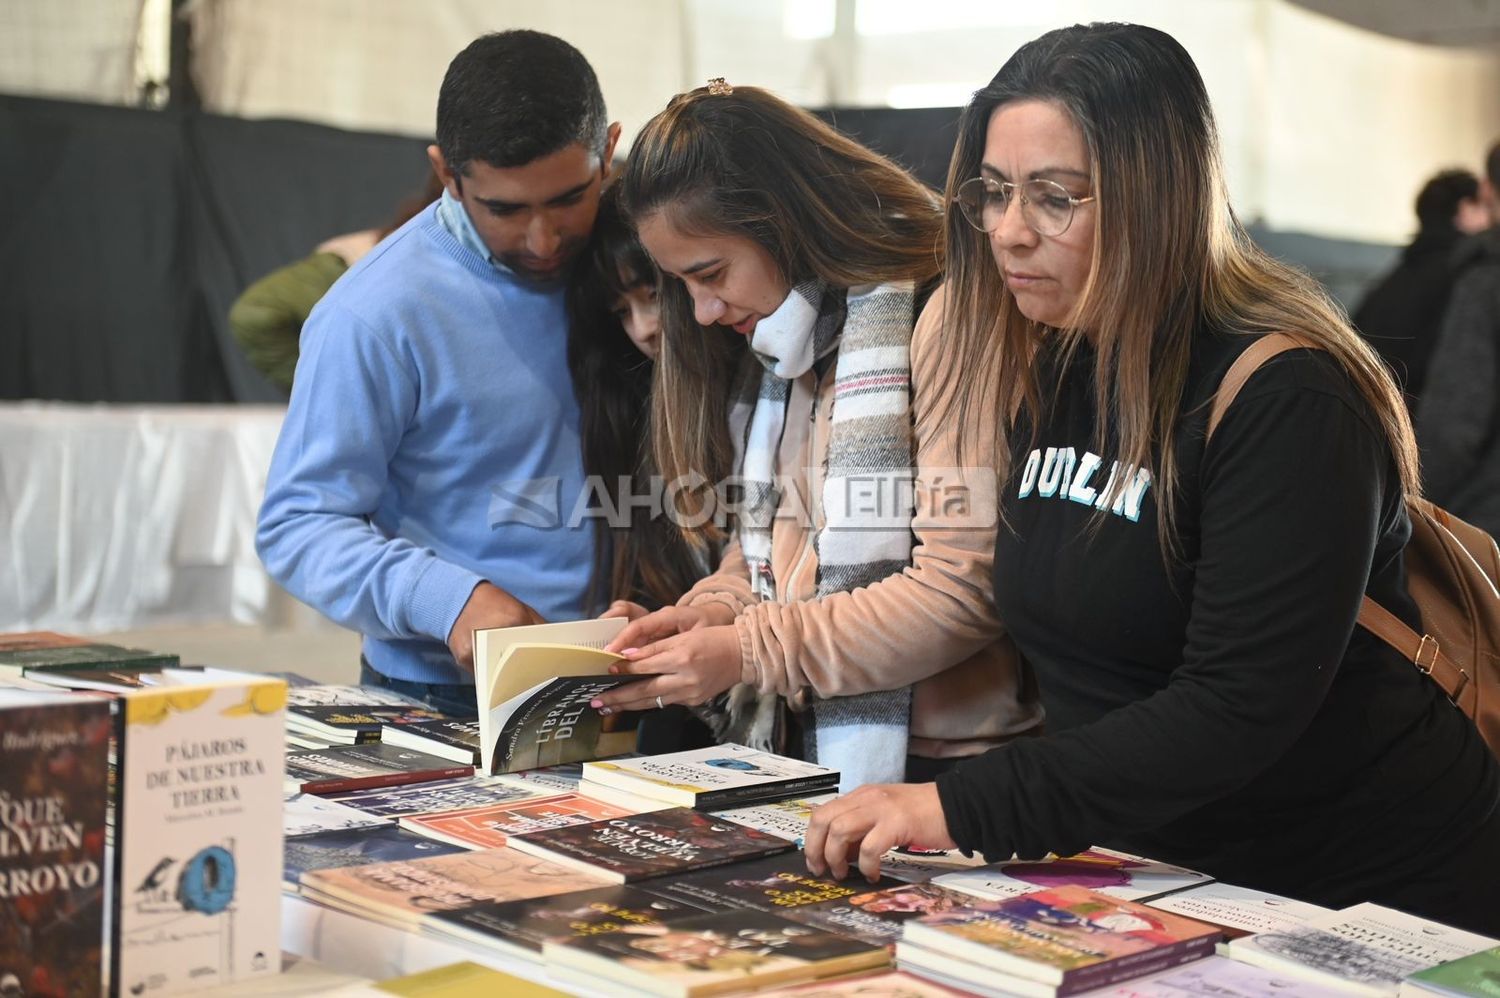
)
(1010, 189)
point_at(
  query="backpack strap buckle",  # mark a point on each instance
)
(1426, 656)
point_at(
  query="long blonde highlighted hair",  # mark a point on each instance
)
(1169, 257)
(749, 164)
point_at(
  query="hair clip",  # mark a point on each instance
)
(718, 88)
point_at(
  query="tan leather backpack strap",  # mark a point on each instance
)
(1246, 364)
(1419, 649)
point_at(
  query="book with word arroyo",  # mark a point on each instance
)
(402, 893)
(438, 795)
(627, 849)
(39, 651)
(534, 685)
(54, 785)
(354, 847)
(197, 884)
(455, 738)
(1054, 941)
(710, 954)
(713, 778)
(491, 826)
(359, 767)
(1117, 874)
(520, 928)
(1363, 949)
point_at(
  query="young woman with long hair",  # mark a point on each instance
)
(848, 585)
(1189, 605)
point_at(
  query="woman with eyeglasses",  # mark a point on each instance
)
(1188, 604)
(856, 581)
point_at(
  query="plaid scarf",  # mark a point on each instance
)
(865, 486)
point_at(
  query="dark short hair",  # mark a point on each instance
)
(513, 97)
(1492, 166)
(1439, 198)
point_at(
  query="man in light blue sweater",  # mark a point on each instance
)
(426, 476)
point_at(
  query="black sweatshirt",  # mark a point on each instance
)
(1227, 715)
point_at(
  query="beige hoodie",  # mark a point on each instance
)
(932, 625)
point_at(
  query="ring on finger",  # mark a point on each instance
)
(659, 704)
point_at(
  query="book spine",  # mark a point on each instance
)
(713, 800)
(1136, 965)
(340, 784)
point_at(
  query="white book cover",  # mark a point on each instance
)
(712, 774)
(786, 818)
(1217, 977)
(348, 696)
(198, 896)
(1240, 908)
(1118, 874)
(1365, 949)
(307, 814)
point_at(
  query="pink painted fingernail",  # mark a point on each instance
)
(630, 651)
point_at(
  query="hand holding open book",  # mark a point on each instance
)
(691, 651)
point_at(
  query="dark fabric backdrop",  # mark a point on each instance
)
(125, 234)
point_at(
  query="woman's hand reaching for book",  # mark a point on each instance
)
(691, 667)
(870, 822)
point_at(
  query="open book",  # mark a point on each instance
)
(534, 685)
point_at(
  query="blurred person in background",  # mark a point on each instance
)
(267, 318)
(1458, 419)
(1401, 315)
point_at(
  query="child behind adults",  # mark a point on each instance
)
(1209, 699)
(814, 256)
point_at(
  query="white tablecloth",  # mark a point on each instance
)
(119, 517)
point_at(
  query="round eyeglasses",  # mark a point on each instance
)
(1046, 206)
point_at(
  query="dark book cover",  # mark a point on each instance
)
(634, 848)
(711, 954)
(772, 883)
(53, 790)
(354, 724)
(557, 725)
(450, 737)
(46, 650)
(526, 925)
(356, 847)
(357, 767)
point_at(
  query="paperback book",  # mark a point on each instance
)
(197, 884)
(105, 679)
(877, 916)
(1218, 977)
(356, 847)
(713, 778)
(711, 954)
(360, 767)
(39, 651)
(627, 849)
(1054, 941)
(881, 984)
(1117, 874)
(344, 725)
(534, 696)
(306, 814)
(786, 818)
(772, 883)
(401, 893)
(447, 738)
(491, 826)
(438, 795)
(520, 928)
(1365, 949)
(1473, 976)
(348, 696)
(54, 776)
(1239, 911)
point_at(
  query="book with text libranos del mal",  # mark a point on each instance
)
(534, 685)
(198, 881)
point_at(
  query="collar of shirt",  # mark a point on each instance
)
(452, 216)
